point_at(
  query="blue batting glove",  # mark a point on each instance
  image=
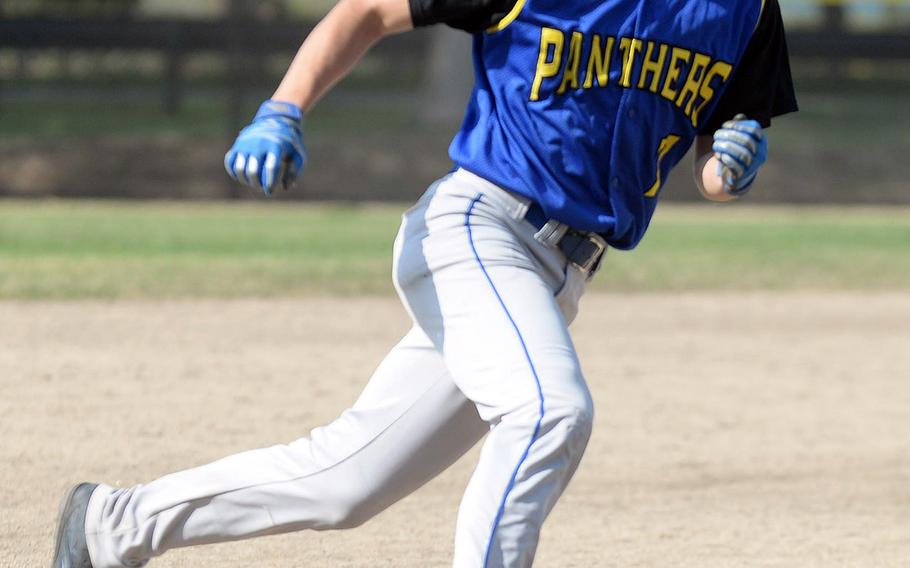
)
(741, 149)
(270, 150)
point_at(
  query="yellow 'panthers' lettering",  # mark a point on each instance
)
(599, 61)
(689, 79)
(570, 77)
(547, 67)
(650, 66)
(706, 92)
(693, 82)
(665, 146)
(677, 56)
(629, 47)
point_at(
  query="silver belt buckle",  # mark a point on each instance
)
(551, 233)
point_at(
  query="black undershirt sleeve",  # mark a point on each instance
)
(468, 15)
(762, 86)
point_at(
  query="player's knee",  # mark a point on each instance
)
(349, 518)
(349, 509)
(566, 419)
(576, 420)
(570, 421)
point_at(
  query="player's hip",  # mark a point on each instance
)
(463, 222)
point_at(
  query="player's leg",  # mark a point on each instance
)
(409, 424)
(485, 291)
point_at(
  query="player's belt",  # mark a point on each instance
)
(584, 250)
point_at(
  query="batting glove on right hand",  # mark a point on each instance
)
(270, 150)
(741, 149)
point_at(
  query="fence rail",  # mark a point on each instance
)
(223, 35)
(187, 36)
(842, 46)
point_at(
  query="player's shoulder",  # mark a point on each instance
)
(769, 16)
(467, 15)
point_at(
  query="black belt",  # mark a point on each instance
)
(582, 249)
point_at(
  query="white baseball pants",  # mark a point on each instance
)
(489, 352)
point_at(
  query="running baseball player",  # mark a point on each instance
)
(579, 111)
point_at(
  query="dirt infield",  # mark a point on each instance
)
(759, 430)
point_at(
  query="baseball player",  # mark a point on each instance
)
(579, 111)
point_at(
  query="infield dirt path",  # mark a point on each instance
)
(759, 430)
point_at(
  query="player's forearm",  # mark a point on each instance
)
(337, 44)
(709, 183)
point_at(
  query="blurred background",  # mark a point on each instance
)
(118, 102)
(140, 98)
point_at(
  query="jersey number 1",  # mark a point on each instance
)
(665, 146)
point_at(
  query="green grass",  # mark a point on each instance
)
(734, 247)
(137, 250)
(70, 249)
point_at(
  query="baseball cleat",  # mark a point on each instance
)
(71, 551)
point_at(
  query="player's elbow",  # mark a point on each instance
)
(346, 507)
(383, 17)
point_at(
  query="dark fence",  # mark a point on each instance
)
(842, 45)
(239, 41)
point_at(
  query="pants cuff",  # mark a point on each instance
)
(100, 546)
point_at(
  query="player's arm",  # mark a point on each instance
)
(353, 26)
(731, 146)
(339, 41)
(270, 150)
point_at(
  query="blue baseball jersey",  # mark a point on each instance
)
(585, 106)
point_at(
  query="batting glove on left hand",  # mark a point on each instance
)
(270, 150)
(741, 149)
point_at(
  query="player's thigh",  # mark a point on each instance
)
(410, 422)
(486, 306)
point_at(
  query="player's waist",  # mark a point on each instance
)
(584, 249)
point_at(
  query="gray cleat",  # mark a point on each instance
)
(72, 551)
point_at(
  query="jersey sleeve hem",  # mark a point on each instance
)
(508, 18)
(761, 12)
(418, 18)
